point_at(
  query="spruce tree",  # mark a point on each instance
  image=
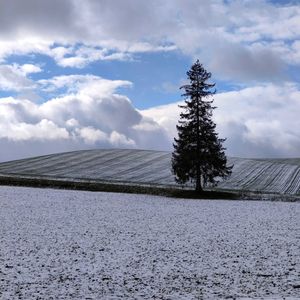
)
(198, 154)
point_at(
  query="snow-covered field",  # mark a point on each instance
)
(58, 244)
(154, 167)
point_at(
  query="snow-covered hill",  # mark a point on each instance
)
(153, 167)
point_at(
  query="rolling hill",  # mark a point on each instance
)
(145, 167)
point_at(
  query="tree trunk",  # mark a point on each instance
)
(198, 174)
(198, 181)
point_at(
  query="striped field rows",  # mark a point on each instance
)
(154, 167)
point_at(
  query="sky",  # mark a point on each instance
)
(85, 74)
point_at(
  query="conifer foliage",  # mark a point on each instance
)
(198, 154)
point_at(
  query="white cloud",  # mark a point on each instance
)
(83, 55)
(260, 121)
(244, 41)
(29, 69)
(76, 33)
(22, 131)
(166, 116)
(14, 77)
(85, 83)
(92, 113)
(91, 135)
(120, 140)
(294, 53)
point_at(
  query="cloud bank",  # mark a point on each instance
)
(91, 114)
(260, 121)
(238, 40)
(251, 44)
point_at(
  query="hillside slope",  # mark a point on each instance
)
(153, 167)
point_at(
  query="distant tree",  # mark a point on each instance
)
(198, 154)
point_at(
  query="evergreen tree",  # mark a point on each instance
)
(198, 154)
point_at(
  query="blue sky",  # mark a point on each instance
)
(156, 77)
(92, 74)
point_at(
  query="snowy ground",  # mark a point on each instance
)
(81, 245)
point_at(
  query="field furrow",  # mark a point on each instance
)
(154, 167)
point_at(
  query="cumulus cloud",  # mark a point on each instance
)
(22, 131)
(14, 77)
(259, 121)
(76, 33)
(91, 114)
(244, 41)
